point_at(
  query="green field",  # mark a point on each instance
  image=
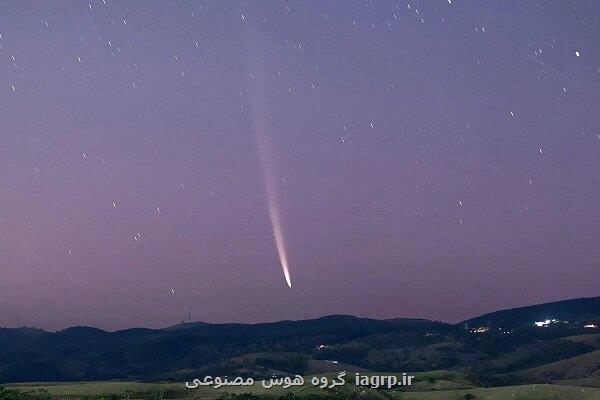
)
(436, 385)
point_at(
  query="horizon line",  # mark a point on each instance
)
(182, 322)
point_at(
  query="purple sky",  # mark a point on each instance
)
(432, 159)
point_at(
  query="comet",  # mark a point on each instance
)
(266, 154)
(272, 197)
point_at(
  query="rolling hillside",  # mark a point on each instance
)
(500, 348)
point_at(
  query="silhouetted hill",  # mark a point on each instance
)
(187, 325)
(89, 353)
(572, 311)
(509, 346)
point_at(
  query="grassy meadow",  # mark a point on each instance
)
(436, 385)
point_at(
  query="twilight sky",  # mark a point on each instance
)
(434, 159)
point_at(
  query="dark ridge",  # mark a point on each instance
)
(580, 310)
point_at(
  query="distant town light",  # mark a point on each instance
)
(590, 326)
